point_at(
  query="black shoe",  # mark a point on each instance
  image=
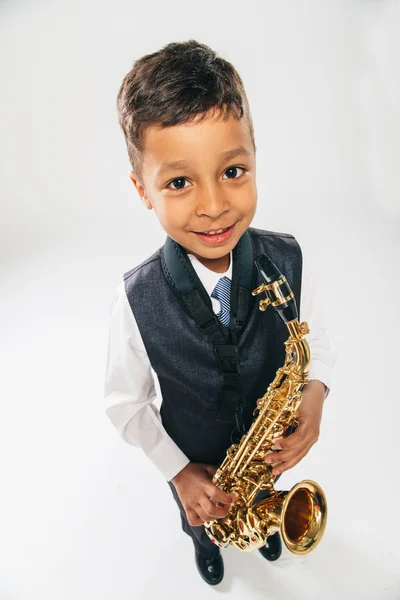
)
(273, 548)
(211, 569)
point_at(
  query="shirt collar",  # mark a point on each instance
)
(209, 278)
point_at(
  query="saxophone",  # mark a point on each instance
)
(299, 514)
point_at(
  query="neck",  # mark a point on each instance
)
(218, 265)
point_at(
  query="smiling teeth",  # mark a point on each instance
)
(214, 232)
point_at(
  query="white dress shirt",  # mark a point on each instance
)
(129, 381)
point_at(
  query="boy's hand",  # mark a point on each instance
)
(293, 448)
(199, 496)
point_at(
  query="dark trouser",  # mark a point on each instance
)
(201, 541)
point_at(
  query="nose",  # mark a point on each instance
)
(212, 203)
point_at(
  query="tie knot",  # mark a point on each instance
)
(222, 292)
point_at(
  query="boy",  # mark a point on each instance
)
(187, 311)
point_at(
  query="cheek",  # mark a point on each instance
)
(249, 204)
(174, 214)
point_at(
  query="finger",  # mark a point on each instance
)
(273, 460)
(284, 455)
(217, 503)
(202, 513)
(193, 518)
(297, 438)
(302, 436)
(275, 464)
(212, 511)
(288, 464)
(217, 495)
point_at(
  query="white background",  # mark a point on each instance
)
(83, 514)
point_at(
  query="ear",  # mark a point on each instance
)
(141, 190)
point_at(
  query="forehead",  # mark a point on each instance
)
(193, 143)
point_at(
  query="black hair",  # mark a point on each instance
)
(179, 82)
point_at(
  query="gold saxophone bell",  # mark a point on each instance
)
(301, 513)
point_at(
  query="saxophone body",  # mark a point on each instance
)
(299, 514)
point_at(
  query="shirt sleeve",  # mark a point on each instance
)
(129, 391)
(323, 356)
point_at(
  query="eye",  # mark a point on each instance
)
(179, 179)
(234, 170)
(183, 179)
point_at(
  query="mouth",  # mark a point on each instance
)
(216, 236)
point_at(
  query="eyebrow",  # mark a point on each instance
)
(181, 164)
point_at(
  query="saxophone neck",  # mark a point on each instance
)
(297, 347)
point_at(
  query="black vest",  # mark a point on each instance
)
(183, 357)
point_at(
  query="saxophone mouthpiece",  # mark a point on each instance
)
(278, 290)
(267, 268)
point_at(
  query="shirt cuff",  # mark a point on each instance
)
(168, 458)
(318, 370)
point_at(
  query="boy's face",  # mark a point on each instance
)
(209, 192)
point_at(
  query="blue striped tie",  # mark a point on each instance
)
(222, 292)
